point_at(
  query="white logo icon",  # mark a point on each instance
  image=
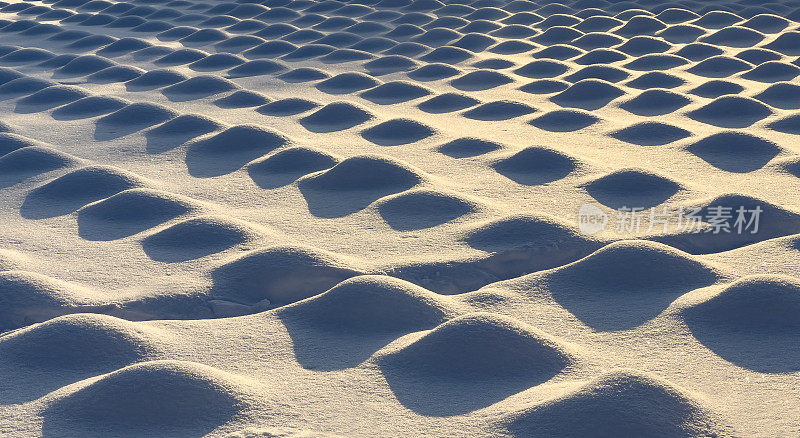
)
(591, 219)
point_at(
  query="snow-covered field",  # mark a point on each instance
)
(399, 218)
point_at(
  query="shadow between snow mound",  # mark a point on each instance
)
(287, 165)
(626, 283)
(230, 149)
(735, 151)
(195, 238)
(521, 244)
(87, 107)
(178, 131)
(165, 398)
(336, 116)
(417, 209)
(70, 192)
(31, 161)
(471, 362)
(129, 212)
(130, 119)
(354, 183)
(772, 220)
(752, 323)
(347, 324)
(280, 275)
(616, 404)
(536, 165)
(63, 350)
(632, 187)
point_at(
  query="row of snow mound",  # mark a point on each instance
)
(638, 45)
(619, 402)
(458, 351)
(246, 16)
(111, 204)
(502, 356)
(625, 283)
(729, 150)
(45, 356)
(526, 236)
(121, 117)
(518, 246)
(220, 153)
(303, 272)
(134, 200)
(455, 351)
(588, 95)
(522, 232)
(558, 27)
(454, 355)
(28, 297)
